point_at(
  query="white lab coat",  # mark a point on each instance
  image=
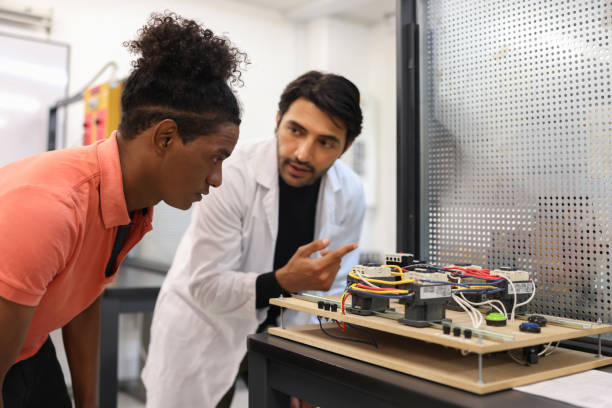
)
(206, 306)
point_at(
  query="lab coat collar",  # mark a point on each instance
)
(266, 164)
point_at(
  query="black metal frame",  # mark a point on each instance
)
(408, 128)
(52, 129)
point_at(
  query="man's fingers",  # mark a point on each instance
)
(337, 254)
(314, 246)
(325, 252)
(343, 250)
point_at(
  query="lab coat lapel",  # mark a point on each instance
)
(266, 175)
(327, 219)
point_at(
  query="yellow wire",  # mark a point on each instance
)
(401, 271)
(403, 281)
(342, 300)
(383, 292)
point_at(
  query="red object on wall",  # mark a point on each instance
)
(101, 125)
(87, 129)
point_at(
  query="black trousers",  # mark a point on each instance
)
(36, 382)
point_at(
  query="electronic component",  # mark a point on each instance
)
(399, 259)
(529, 328)
(521, 283)
(428, 303)
(446, 328)
(467, 333)
(496, 319)
(456, 331)
(364, 302)
(539, 320)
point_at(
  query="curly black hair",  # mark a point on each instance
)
(182, 74)
(334, 94)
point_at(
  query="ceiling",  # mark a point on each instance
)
(362, 11)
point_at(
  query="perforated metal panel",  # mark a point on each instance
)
(519, 144)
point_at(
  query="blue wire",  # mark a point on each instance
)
(479, 290)
(409, 295)
(446, 282)
(361, 329)
(373, 343)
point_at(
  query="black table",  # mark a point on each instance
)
(134, 290)
(280, 367)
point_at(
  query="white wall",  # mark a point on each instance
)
(366, 55)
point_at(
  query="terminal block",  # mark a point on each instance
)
(399, 259)
(521, 282)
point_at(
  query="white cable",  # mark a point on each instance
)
(364, 279)
(523, 303)
(514, 290)
(530, 297)
(456, 299)
(490, 303)
(552, 349)
(474, 314)
(545, 349)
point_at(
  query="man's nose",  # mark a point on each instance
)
(304, 150)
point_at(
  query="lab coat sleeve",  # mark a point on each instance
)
(213, 250)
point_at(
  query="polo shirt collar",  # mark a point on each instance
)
(112, 197)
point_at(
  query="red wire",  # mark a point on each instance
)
(343, 327)
(473, 272)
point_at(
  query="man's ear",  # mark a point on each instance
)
(278, 117)
(165, 135)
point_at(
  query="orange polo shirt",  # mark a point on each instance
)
(59, 214)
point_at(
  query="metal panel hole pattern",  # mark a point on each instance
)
(519, 144)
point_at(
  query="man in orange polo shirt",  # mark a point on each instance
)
(69, 217)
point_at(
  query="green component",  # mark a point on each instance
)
(496, 317)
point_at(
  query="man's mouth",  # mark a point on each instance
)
(298, 170)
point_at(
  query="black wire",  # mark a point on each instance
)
(373, 343)
(361, 329)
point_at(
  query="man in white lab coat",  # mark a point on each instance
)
(285, 220)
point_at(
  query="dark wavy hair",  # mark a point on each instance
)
(333, 94)
(182, 73)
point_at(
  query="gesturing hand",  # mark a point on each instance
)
(305, 273)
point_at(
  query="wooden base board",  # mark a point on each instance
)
(442, 364)
(550, 333)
